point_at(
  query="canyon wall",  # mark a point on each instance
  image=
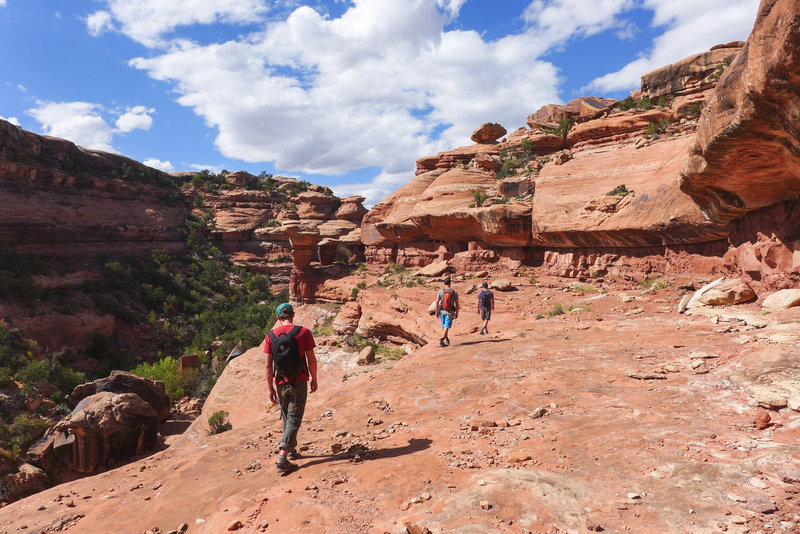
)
(663, 181)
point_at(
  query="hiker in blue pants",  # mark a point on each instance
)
(446, 310)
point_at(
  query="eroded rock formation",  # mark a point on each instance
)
(746, 154)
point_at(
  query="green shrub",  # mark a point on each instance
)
(694, 110)
(557, 310)
(620, 190)
(627, 104)
(479, 197)
(662, 102)
(218, 423)
(650, 286)
(645, 104)
(324, 329)
(564, 126)
(166, 370)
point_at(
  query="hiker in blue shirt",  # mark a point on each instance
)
(485, 306)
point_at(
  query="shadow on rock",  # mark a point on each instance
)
(360, 452)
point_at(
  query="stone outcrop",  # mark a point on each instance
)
(488, 133)
(691, 75)
(105, 429)
(746, 154)
(151, 391)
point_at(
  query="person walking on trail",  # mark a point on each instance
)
(290, 365)
(485, 306)
(446, 310)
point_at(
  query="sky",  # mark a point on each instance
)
(343, 93)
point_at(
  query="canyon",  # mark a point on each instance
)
(640, 375)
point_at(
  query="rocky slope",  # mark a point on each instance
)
(570, 431)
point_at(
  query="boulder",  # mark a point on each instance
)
(587, 107)
(782, 300)
(722, 292)
(489, 162)
(502, 285)
(109, 428)
(366, 356)
(346, 320)
(151, 391)
(434, 269)
(27, 481)
(546, 117)
(488, 133)
(352, 209)
(688, 75)
(432, 308)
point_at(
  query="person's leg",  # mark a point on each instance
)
(293, 403)
(447, 322)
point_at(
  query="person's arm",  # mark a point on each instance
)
(312, 369)
(455, 314)
(273, 395)
(493, 301)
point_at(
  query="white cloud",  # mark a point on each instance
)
(202, 167)
(366, 89)
(22, 88)
(12, 120)
(80, 122)
(690, 27)
(165, 166)
(135, 118)
(2, 3)
(376, 190)
(147, 21)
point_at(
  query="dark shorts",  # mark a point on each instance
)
(486, 313)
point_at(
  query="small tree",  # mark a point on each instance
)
(218, 423)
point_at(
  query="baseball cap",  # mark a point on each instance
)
(284, 309)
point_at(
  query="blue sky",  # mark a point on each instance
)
(343, 93)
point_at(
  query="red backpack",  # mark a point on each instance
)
(449, 300)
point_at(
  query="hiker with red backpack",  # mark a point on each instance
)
(290, 365)
(485, 306)
(446, 310)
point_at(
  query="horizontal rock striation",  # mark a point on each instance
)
(58, 200)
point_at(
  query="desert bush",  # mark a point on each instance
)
(557, 310)
(218, 423)
(620, 190)
(479, 197)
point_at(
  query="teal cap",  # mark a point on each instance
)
(284, 309)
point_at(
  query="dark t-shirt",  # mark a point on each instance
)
(305, 342)
(490, 299)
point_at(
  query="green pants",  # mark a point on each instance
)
(293, 404)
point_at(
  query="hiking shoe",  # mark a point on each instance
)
(482, 332)
(447, 342)
(441, 342)
(293, 455)
(285, 466)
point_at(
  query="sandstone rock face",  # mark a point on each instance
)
(106, 428)
(782, 300)
(568, 197)
(346, 320)
(488, 133)
(58, 200)
(434, 269)
(691, 74)
(747, 151)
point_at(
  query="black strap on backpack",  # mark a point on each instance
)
(286, 358)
